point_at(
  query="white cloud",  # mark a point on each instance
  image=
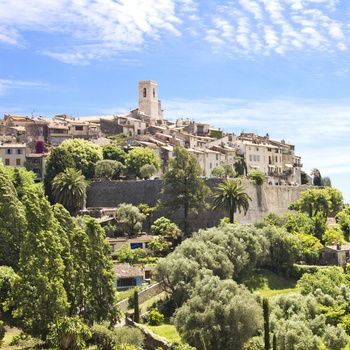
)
(85, 30)
(7, 84)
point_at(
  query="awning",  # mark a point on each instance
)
(271, 166)
(289, 165)
(255, 166)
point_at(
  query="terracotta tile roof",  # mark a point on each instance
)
(125, 270)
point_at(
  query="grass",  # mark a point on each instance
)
(268, 284)
(10, 333)
(167, 331)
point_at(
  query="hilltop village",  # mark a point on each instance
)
(145, 126)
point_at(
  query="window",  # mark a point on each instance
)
(269, 149)
(18, 162)
(7, 161)
(250, 157)
(144, 92)
(154, 93)
(257, 149)
(9, 151)
(217, 157)
(79, 128)
(126, 282)
(19, 151)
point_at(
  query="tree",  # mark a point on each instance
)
(317, 179)
(13, 222)
(139, 157)
(183, 189)
(240, 167)
(108, 169)
(220, 315)
(113, 152)
(39, 295)
(73, 153)
(343, 220)
(257, 176)
(164, 227)
(266, 313)
(147, 171)
(129, 218)
(304, 178)
(136, 307)
(326, 182)
(146, 210)
(324, 200)
(69, 189)
(218, 171)
(230, 196)
(101, 302)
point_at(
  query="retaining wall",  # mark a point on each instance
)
(265, 199)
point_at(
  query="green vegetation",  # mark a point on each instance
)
(230, 196)
(138, 157)
(183, 189)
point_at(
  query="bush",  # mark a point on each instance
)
(2, 332)
(155, 318)
(297, 271)
(129, 336)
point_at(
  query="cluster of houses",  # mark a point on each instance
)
(145, 126)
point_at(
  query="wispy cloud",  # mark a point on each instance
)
(6, 85)
(94, 29)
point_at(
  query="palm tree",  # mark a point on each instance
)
(69, 189)
(230, 196)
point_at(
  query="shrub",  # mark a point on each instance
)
(155, 317)
(2, 332)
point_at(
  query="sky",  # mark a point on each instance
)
(280, 67)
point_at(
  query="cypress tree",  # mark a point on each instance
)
(266, 324)
(136, 307)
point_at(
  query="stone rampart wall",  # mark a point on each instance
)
(265, 199)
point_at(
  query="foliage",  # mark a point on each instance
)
(73, 153)
(140, 156)
(299, 222)
(148, 212)
(343, 220)
(108, 169)
(332, 235)
(164, 227)
(8, 278)
(147, 170)
(2, 332)
(326, 182)
(13, 222)
(317, 179)
(136, 307)
(39, 295)
(304, 178)
(101, 305)
(284, 249)
(322, 200)
(183, 189)
(240, 167)
(266, 313)
(218, 171)
(257, 176)
(127, 255)
(230, 196)
(70, 333)
(69, 189)
(160, 246)
(113, 152)
(129, 218)
(220, 314)
(130, 336)
(155, 318)
(117, 338)
(335, 337)
(276, 220)
(310, 247)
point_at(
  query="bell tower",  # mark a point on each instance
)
(148, 99)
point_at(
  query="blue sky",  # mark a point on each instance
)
(266, 66)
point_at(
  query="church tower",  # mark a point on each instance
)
(148, 99)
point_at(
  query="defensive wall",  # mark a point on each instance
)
(265, 199)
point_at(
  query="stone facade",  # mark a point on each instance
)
(265, 199)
